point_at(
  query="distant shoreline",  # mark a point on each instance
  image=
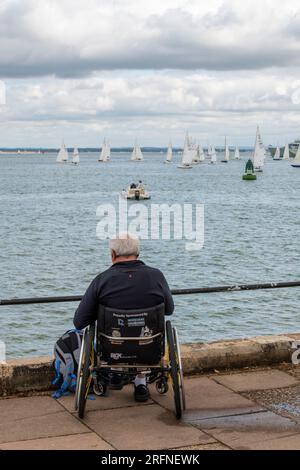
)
(26, 151)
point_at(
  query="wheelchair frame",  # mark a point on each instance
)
(92, 370)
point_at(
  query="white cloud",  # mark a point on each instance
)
(127, 68)
(154, 105)
(76, 37)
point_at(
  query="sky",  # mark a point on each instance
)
(82, 70)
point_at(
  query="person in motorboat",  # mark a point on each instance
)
(127, 284)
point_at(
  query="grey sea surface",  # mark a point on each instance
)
(49, 244)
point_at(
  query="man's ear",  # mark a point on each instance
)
(113, 255)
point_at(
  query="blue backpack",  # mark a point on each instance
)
(66, 358)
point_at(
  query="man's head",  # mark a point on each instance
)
(124, 247)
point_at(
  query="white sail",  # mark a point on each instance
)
(133, 155)
(201, 154)
(187, 154)
(286, 153)
(213, 155)
(237, 153)
(296, 161)
(137, 154)
(108, 151)
(195, 153)
(169, 153)
(226, 152)
(259, 152)
(75, 158)
(105, 152)
(62, 155)
(277, 154)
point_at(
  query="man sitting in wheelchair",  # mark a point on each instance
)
(129, 284)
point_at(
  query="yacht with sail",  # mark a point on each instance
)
(201, 153)
(137, 155)
(277, 154)
(169, 153)
(286, 152)
(226, 154)
(212, 154)
(63, 155)
(296, 161)
(75, 158)
(105, 152)
(259, 152)
(237, 153)
(187, 155)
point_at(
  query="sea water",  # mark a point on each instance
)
(49, 245)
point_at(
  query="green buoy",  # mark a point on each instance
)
(249, 171)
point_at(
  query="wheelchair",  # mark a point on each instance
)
(129, 342)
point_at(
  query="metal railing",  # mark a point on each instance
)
(200, 290)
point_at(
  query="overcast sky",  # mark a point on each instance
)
(125, 69)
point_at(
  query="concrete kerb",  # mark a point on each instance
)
(29, 375)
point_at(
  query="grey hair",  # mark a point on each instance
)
(125, 244)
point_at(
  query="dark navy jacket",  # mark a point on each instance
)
(125, 285)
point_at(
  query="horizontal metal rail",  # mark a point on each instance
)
(200, 290)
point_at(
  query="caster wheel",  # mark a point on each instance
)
(162, 386)
(99, 389)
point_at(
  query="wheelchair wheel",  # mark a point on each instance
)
(181, 384)
(175, 370)
(84, 376)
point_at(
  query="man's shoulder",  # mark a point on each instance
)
(153, 270)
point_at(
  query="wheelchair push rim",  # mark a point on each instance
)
(84, 377)
(174, 360)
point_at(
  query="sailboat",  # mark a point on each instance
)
(212, 154)
(105, 152)
(201, 154)
(75, 158)
(137, 154)
(195, 153)
(237, 153)
(63, 155)
(296, 161)
(277, 154)
(187, 155)
(169, 153)
(226, 155)
(259, 152)
(286, 152)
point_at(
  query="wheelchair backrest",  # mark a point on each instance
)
(131, 336)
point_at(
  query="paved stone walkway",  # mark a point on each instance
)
(258, 409)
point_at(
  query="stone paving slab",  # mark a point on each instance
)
(114, 399)
(205, 398)
(215, 446)
(144, 427)
(88, 441)
(245, 430)
(55, 424)
(20, 408)
(283, 443)
(260, 380)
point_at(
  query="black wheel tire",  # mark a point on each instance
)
(174, 369)
(86, 362)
